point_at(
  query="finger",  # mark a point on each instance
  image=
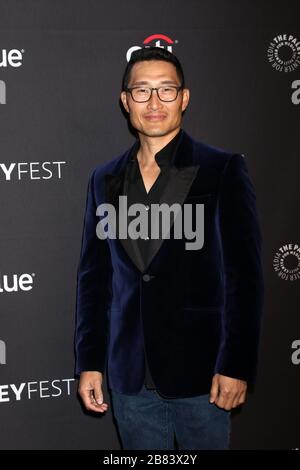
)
(85, 394)
(97, 408)
(92, 405)
(236, 400)
(96, 399)
(214, 390)
(242, 397)
(225, 400)
(229, 405)
(88, 398)
(221, 400)
(98, 395)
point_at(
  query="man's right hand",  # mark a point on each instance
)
(90, 391)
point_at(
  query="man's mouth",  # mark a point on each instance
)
(155, 117)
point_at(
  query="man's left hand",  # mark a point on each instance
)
(227, 392)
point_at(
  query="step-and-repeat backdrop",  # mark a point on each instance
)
(61, 64)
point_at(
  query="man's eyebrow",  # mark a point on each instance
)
(164, 82)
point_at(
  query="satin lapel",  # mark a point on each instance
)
(179, 184)
(114, 187)
(129, 245)
(182, 175)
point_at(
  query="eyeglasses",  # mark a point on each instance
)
(143, 94)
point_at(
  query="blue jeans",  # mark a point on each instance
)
(149, 421)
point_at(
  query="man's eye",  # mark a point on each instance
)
(142, 90)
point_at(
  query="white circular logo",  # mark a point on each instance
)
(284, 53)
(286, 262)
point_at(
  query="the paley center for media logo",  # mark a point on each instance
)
(286, 262)
(157, 40)
(284, 53)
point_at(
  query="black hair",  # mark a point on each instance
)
(151, 53)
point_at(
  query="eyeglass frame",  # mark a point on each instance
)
(178, 88)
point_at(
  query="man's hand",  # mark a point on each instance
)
(90, 391)
(227, 392)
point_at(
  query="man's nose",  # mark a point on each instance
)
(154, 101)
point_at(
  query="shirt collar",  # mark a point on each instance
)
(163, 156)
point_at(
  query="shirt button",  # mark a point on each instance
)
(146, 238)
(146, 277)
(147, 208)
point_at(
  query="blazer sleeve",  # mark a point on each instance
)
(93, 293)
(241, 243)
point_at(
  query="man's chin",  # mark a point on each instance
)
(155, 132)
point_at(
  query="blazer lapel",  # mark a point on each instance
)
(182, 174)
(114, 187)
(176, 191)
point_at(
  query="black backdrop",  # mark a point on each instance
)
(61, 64)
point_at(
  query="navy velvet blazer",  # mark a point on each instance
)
(192, 312)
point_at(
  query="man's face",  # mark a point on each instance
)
(155, 117)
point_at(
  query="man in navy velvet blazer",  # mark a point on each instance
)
(194, 313)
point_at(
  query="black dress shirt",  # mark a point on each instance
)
(136, 193)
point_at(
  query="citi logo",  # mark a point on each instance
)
(2, 92)
(157, 40)
(2, 352)
(12, 58)
(15, 282)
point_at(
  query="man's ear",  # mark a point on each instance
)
(185, 98)
(124, 100)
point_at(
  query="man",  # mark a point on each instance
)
(176, 326)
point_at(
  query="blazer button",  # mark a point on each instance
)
(146, 277)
